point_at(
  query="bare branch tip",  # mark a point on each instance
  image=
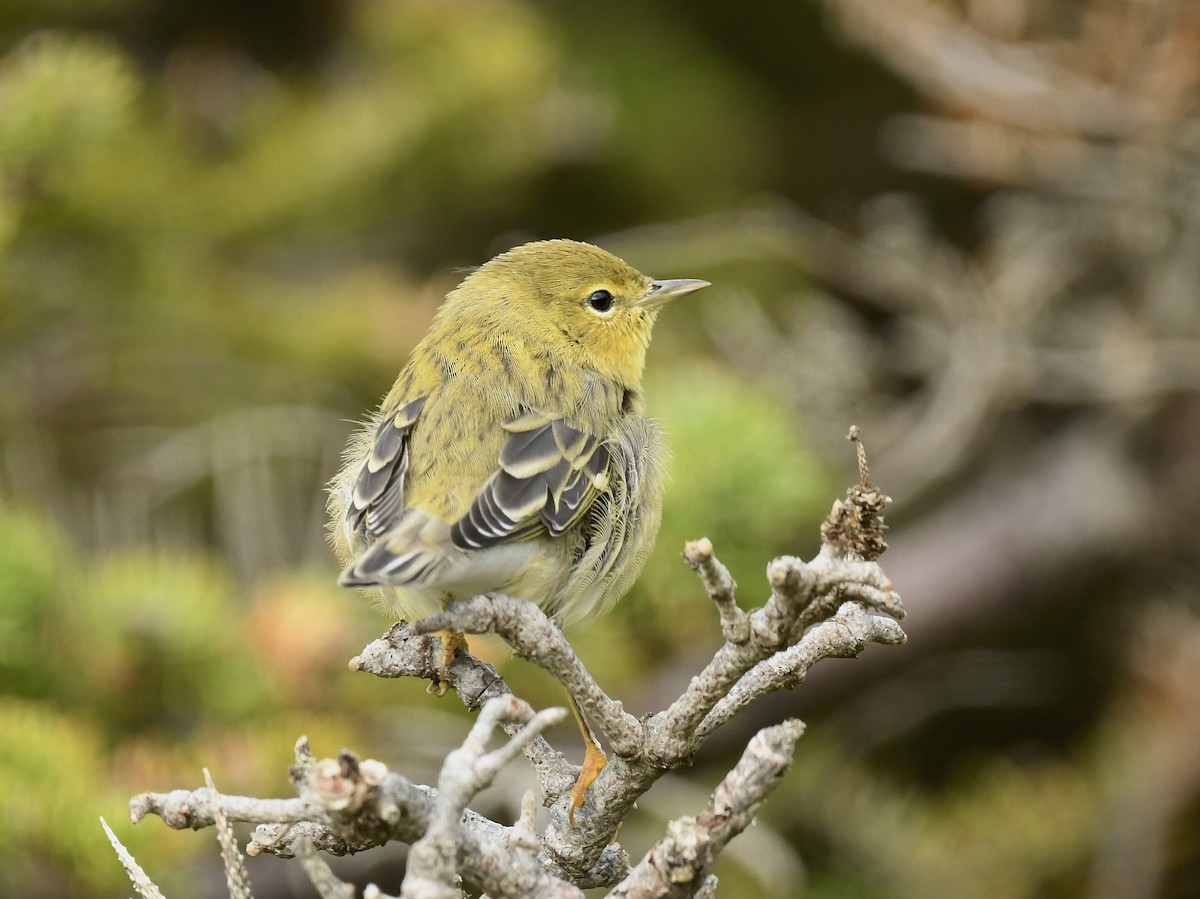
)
(864, 472)
(372, 891)
(551, 716)
(855, 525)
(112, 837)
(697, 551)
(791, 730)
(141, 881)
(373, 772)
(303, 751)
(524, 832)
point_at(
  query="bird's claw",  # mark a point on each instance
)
(594, 761)
(450, 645)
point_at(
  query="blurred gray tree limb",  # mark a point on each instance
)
(1034, 373)
(1043, 369)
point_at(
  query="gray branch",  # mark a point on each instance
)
(344, 806)
(533, 636)
(844, 635)
(433, 862)
(237, 878)
(833, 606)
(680, 861)
(720, 586)
(327, 885)
(404, 653)
(145, 887)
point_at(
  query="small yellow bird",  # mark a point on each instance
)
(513, 453)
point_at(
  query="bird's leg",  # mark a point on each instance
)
(594, 760)
(450, 645)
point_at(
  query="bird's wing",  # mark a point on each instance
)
(377, 495)
(549, 474)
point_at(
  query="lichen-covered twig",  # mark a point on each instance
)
(721, 588)
(403, 653)
(237, 878)
(801, 595)
(433, 866)
(844, 635)
(680, 861)
(533, 636)
(345, 806)
(834, 605)
(326, 883)
(145, 887)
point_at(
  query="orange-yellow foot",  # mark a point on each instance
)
(594, 761)
(450, 645)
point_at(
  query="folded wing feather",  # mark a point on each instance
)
(549, 474)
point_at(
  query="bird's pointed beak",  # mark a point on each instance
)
(664, 291)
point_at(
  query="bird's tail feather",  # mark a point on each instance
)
(380, 565)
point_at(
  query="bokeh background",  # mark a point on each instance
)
(971, 227)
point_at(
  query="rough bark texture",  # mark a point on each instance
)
(833, 606)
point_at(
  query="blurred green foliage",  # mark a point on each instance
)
(223, 226)
(132, 669)
(741, 476)
(207, 263)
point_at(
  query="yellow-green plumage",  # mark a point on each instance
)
(513, 453)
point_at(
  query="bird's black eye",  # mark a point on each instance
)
(600, 300)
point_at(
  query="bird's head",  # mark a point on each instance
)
(573, 298)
